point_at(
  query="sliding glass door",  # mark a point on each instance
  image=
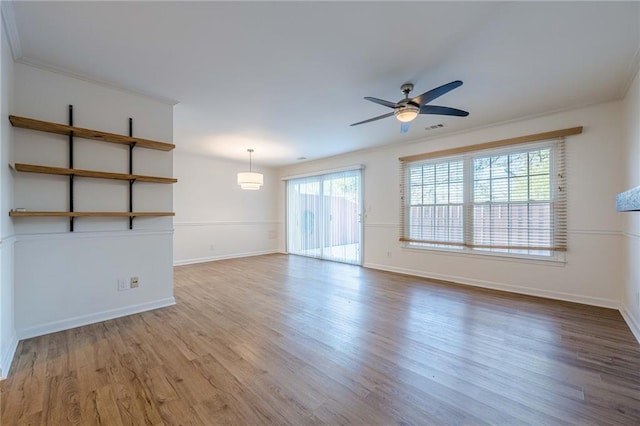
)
(303, 212)
(324, 216)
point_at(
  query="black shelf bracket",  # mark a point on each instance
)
(131, 181)
(71, 167)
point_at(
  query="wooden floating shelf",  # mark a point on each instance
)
(32, 168)
(62, 129)
(14, 213)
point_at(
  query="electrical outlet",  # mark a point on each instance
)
(135, 283)
(122, 284)
(388, 254)
(212, 247)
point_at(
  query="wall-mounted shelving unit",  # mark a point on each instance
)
(72, 132)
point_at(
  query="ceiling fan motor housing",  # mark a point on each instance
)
(405, 110)
(406, 88)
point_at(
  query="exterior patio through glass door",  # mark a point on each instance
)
(324, 216)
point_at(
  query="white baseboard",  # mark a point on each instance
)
(631, 322)
(568, 297)
(66, 324)
(222, 257)
(7, 357)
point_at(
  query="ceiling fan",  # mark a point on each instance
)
(406, 110)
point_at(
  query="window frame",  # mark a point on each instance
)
(556, 202)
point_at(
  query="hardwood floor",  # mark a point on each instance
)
(288, 340)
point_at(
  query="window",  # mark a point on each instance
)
(510, 199)
(436, 205)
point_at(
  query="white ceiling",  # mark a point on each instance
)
(288, 78)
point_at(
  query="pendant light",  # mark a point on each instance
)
(250, 180)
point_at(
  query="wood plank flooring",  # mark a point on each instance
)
(289, 340)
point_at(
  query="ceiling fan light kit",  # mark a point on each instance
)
(407, 109)
(250, 180)
(407, 113)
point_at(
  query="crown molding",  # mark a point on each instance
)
(35, 63)
(11, 29)
(632, 71)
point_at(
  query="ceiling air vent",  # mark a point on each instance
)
(434, 127)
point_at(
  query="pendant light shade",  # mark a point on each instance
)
(250, 180)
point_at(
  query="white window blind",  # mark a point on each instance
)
(510, 199)
(436, 203)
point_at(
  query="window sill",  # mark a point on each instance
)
(559, 259)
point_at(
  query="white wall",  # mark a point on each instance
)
(8, 339)
(65, 279)
(631, 229)
(215, 219)
(591, 273)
